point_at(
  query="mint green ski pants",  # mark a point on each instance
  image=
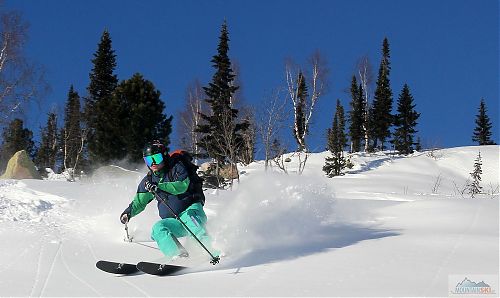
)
(167, 230)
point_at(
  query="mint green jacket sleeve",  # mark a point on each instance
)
(175, 187)
(139, 203)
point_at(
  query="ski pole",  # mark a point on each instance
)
(215, 259)
(129, 239)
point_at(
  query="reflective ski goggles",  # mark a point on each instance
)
(153, 159)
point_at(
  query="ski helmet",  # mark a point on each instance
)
(153, 148)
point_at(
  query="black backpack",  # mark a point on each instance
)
(196, 182)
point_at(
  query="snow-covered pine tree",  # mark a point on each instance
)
(299, 128)
(99, 114)
(474, 187)
(141, 118)
(335, 164)
(482, 131)
(71, 134)
(249, 136)
(405, 122)
(276, 149)
(381, 117)
(47, 152)
(221, 134)
(418, 145)
(356, 116)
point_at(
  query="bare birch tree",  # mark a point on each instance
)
(317, 85)
(365, 76)
(71, 163)
(247, 152)
(190, 118)
(270, 121)
(20, 80)
(230, 143)
(246, 114)
(237, 100)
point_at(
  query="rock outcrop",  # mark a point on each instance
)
(20, 166)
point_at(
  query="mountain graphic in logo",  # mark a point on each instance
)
(474, 286)
(467, 283)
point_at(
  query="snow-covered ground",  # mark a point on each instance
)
(393, 226)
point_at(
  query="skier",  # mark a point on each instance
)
(169, 179)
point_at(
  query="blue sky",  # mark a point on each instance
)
(446, 51)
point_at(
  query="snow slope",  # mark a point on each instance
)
(393, 226)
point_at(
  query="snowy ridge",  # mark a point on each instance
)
(389, 218)
(20, 203)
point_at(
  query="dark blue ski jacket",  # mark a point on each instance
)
(174, 188)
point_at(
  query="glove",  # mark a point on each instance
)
(124, 218)
(151, 186)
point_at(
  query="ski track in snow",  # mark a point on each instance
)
(43, 253)
(49, 274)
(37, 274)
(15, 260)
(65, 264)
(133, 285)
(263, 276)
(457, 244)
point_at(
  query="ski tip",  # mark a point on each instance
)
(159, 269)
(116, 268)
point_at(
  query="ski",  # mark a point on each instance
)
(116, 268)
(159, 269)
(144, 267)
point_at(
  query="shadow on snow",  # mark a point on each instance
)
(332, 236)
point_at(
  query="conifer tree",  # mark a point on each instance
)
(140, 119)
(221, 135)
(335, 164)
(100, 115)
(365, 117)
(299, 128)
(247, 152)
(381, 117)
(15, 138)
(474, 187)
(342, 137)
(356, 116)
(46, 155)
(276, 149)
(482, 131)
(418, 145)
(72, 132)
(405, 122)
